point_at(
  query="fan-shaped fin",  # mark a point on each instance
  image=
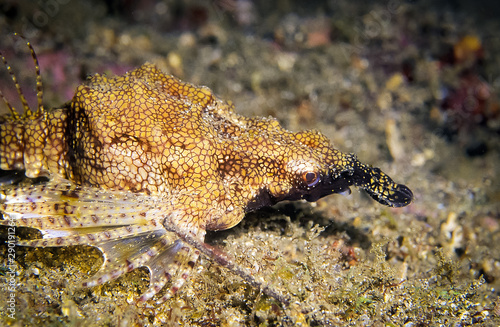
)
(126, 227)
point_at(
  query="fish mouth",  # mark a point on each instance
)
(375, 182)
(380, 186)
(397, 196)
(330, 184)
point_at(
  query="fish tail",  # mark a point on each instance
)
(27, 112)
(33, 141)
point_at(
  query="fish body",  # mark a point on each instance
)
(142, 165)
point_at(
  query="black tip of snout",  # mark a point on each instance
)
(381, 187)
(398, 196)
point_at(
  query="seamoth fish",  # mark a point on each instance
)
(142, 165)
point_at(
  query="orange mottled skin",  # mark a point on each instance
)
(149, 133)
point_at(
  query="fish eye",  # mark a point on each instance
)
(311, 178)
